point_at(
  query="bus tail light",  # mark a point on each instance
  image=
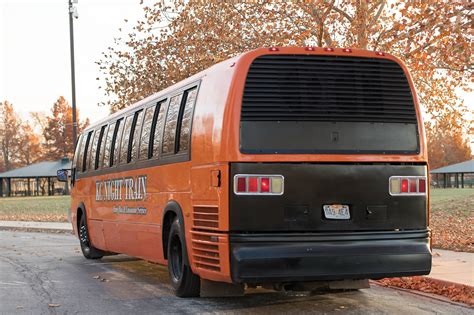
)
(258, 184)
(407, 185)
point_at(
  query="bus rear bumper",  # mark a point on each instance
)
(289, 257)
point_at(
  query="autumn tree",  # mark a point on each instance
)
(29, 145)
(176, 39)
(9, 136)
(57, 131)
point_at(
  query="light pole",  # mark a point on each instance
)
(73, 14)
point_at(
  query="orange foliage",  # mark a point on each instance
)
(57, 131)
(9, 136)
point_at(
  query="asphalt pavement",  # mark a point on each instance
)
(43, 273)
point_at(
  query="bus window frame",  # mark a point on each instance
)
(86, 150)
(152, 107)
(104, 163)
(172, 152)
(116, 145)
(103, 131)
(136, 114)
(153, 161)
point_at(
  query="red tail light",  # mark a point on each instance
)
(310, 48)
(379, 53)
(404, 185)
(273, 49)
(264, 184)
(407, 185)
(347, 50)
(241, 185)
(328, 49)
(422, 185)
(258, 184)
(253, 184)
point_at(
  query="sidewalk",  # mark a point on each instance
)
(456, 267)
(42, 226)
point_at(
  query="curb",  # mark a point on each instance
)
(438, 297)
(35, 230)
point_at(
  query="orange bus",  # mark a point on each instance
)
(281, 166)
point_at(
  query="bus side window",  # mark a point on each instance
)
(169, 134)
(101, 145)
(77, 162)
(185, 121)
(107, 149)
(135, 135)
(145, 137)
(85, 151)
(93, 151)
(116, 143)
(157, 129)
(125, 139)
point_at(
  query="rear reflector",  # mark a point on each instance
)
(246, 184)
(407, 185)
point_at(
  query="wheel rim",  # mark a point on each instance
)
(83, 235)
(176, 258)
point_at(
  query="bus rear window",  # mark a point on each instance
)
(327, 104)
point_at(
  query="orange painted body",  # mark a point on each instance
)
(193, 184)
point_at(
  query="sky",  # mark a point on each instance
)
(35, 56)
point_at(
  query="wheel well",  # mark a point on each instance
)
(167, 221)
(79, 216)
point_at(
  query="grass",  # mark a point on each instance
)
(452, 200)
(49, 208)
(452, 218)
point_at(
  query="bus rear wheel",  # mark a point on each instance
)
(185, 283)
(89, 251)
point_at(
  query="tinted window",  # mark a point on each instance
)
(125, 139)
(77, 162)
(116, 142)
(135, 136)
(145, 137)
(169, 134)
(108, 144)
(93, 150)
(85, 150)
(157, 133)
(186, 120)
(100, 149)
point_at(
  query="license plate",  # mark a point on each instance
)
(337, 212)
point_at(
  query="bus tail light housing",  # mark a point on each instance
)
(254, 184)
(407, 185)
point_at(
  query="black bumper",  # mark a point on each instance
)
(289, 257)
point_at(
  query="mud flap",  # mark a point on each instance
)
(220, 289)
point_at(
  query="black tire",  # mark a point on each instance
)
(89, 251)
(185, 283)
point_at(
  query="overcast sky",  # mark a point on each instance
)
(34, 51)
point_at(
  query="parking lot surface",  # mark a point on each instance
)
(46, 274)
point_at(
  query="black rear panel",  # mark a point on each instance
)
(341, 102)
(307, 187)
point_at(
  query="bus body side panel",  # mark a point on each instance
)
(208, 247)
(133, 226)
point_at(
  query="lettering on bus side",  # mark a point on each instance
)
(118, 189)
